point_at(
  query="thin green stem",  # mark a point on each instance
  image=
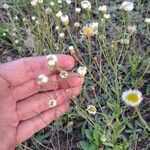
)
(142, 119)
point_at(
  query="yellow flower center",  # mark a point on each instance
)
(132, 98)
(88, 31)
(92, 109)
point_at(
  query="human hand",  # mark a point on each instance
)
(24, 109)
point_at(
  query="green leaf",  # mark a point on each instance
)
(84, 145)
(89, 134)
(108, 144)
(96, 136)
(93, 147)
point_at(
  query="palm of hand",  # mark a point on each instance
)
(24, 109)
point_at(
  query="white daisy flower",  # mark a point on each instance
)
(86, 5)
(102, 8)
(51, 60)
(62, 35)
(4, 34)
(33, 18)
(89, 30)
(37, 22)
(59, 14)
(59, 1)
(52, 3)
(127, 6)
(52, 103)
(42, 78)
(65, 20)
(16, 17)
(131, 28)
(64, 74)
(77, 24)
(77, 10)
(71, 49)
(147, 20)
(57, 28)
(82, 71)
(5, 6)
(132, 97)
(34, 2)
(48, 10)
(91, 109)
(16, 41)
(106, 16)
(40, 1)
(68, 2)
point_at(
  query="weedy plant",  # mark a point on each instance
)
(110, 40)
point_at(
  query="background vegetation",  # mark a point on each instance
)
(117, 59)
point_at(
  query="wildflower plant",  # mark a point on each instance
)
(109, 42)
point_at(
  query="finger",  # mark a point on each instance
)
(40, 102)
(25, 69)
(27, 128)
(55, 82)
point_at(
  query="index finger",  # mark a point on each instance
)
(25, 69)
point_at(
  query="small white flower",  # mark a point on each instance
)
(34, 2)
(48, 10)
(102, 8)
(62, 35)
(16, 41)
(37, 22)
(5, 6)
(82, 71)
(132, 28)
(77, 10)
(51, 60)
(147, 20)
(132, 97)
(13, 34)
(52, 103)
(72, 50)
(16, 17)
(33, 18)
(103, 138)
(40, 1)
(77, 24)
(68, 2)
(57, 28)
(64, 74)
(59, 1)
(4, 34)
(52, 3)
(65, 20)
(42, 78)
(124, 41)
(86, 5)
(91, 109)
(59, 14)
(106, 16)
(127, 6)
(24, 19)
(71, 47)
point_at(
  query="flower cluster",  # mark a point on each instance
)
(127, 6)
(35, 2)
